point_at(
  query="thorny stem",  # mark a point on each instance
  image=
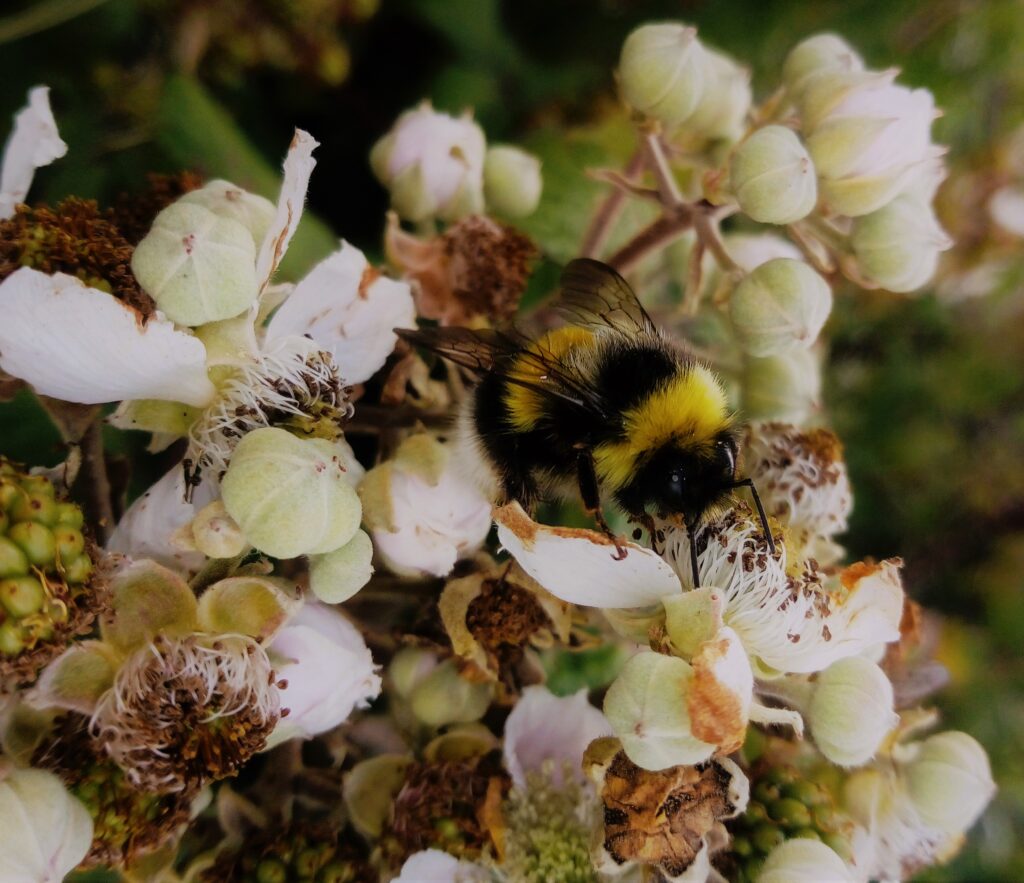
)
(609, 211)
(655, 235)
(96, 483)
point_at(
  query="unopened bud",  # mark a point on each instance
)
(216, 534)
(445, 697)
(786, 387)
(290, 496)
(197, 266)
(822, 52)
(773, 177)
(338, 575)
(851, 711)
(950, 781)
(512, 181)
(408, 667)
(779, 307)
(224, 199)
(433, 165)
(647, 709)
(662, 70)
(723, 106)
(898, 246)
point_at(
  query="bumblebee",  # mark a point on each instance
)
(606, 404)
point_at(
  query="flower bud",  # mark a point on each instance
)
(898, 245)
(647, 709)
(723, 106)
(338, 575)
(950, 781)
(779, 307)
(215, 533)
(662, 71)
(433, 165)
(786, 387)
(803, 860)
(773, 177)
(445, 697)
(851, 711)
(408, 667)
(512, 181)
(867, 136)
(44, 831)
(224, 199)
(197, 266)
(289, 495)
(817, 54)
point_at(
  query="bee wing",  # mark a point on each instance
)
(595, 294)
(503, 352)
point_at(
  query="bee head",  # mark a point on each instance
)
(686, 479)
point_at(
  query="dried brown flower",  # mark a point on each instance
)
(74, 238)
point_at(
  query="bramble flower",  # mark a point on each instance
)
(423, 514)
(44, 831)
(433, 165)
(805, 861)
(316, 641)
(435, 866)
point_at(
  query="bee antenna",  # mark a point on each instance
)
(749, 482)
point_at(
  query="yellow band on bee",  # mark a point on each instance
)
(526, 406)
(691, 408)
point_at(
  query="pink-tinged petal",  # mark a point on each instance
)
(579, 566)
(348, 308)
(34, 143)
(328, 669)
(80, 344)
(434, 866)
(543, 726)
(298, 166)
(147, 529)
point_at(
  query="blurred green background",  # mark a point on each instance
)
(927, 392)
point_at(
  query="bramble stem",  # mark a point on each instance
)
(609, 210)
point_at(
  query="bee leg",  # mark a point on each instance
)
(692, 533)
(590, 493)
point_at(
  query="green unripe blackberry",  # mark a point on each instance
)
(783, 806)
(45, 571)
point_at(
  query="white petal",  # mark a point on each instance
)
(544, 726)
(329, 671)
(579, 565)
(83, 345)
(298, 166)
(434, 866)
(34, 143)
(147, 528)
(350, 310)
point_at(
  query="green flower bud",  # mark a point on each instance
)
(224, 199)
(779, 307)
(647, 709)
(216, 534)
(197, 266)
(898, 246)
(662, 71)
(512, 181)
(786, 387)
(408, 667)
(289, 495)
(817, 54)
(723, 106)
(851, 711)
(445, 697)
(338, 575)
(950, 781)
(773, 178)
